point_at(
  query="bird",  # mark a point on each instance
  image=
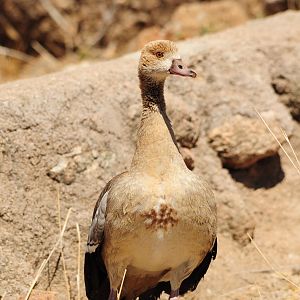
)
(154, 227)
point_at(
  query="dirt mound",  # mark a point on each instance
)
(74, 130)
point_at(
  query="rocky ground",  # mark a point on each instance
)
(68, 133)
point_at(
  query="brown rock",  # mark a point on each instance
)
(239, 220)
(64, 171)
(289, 94)
(185, 121)
(286, 84)
(240, 142)
(192, 19)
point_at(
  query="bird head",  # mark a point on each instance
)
(160, 58)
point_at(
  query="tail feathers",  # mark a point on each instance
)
(154, 293)
(95, 276)
(98, 287)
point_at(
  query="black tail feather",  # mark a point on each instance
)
(97, 283)
(190, 283)
(95, 276)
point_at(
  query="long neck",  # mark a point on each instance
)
(156, 148)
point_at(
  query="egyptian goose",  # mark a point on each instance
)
(158, 220)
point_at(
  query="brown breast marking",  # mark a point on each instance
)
(162, 217)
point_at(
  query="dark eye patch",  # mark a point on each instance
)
(159, 54)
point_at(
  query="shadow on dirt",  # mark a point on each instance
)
(265, 173)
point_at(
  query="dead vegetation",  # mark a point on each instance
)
(87, 29)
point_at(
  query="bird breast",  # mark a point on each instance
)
(166, 242)
(171, 225)
(162, 216)
(165, 239)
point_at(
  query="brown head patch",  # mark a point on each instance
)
(162, 46)
(156, 57)
(162, 217)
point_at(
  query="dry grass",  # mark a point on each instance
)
(258, 290)
(68, 289)
(291, 147)
(57, 17)
(15, 54)
(278, 273)
(295, 164)
(44, 53)
(121, 286)
(45, 261)
(68, 29)
(59, 244)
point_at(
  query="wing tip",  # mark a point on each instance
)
(91, 248)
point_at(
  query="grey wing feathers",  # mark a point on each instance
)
(95, 275)
(96, 231)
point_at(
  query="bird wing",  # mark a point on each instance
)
(95, 274)
(96, 232)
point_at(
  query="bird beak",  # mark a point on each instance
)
(178, 68)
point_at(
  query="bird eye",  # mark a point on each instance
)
(159, 54)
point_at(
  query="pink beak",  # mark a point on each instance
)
(178, 68)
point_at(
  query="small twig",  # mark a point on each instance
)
(10, 29)
(54, 273)
(288, 140)
(45, 261)
(15, 54)
(108, 19)
(67, 28)
(270, 265)
(57, 16)
(258, 290)
(43, 52)
(121, 286)
(62, 249)
(276, 139)
(36, 278)
(285, 268)
(78, 261)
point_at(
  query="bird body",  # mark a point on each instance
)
(161, 214)
(158, 219)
